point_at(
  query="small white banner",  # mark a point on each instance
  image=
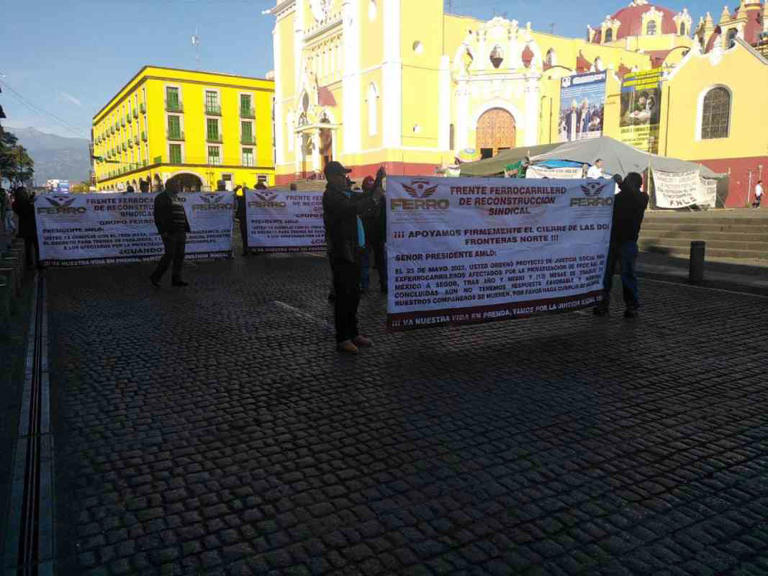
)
(285, 221)
(562, 173)
(79, 229)
(473, 250)
(684, 189)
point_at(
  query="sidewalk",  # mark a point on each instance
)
(740, 275)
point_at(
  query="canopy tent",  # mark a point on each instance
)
(495, 166)
(619, 158)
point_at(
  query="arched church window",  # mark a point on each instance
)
(651, 29)
(551, 58)
(373, 110)
(730, 41)
(716, 114)
(609, 35)
(305, 102)
(683, 29)
(497, 56)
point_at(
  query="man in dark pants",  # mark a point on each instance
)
(376, 228)
(628, 211)
(342, 212)
(172, 225)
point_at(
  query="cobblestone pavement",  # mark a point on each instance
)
(214, 430)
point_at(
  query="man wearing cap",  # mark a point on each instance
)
(342, 212)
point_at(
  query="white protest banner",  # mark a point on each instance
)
(78, 229)
(684, 189)
(285, 221)
(560, 173)
(472, 250)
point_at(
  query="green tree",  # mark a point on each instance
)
(15, 164)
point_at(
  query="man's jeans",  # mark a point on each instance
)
(175, 245)
(626, 253)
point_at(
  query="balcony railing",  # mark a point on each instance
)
(130, 143)
(143, 108)
(144, 136)
(128, 118)
(122, 122)
(135, 113)
(248, 140)
(144, 162)
(175, 135)
(213, 110)
(247, 113)
(216, 138)
(171, 106)
(136, 139)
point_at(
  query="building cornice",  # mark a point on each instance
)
(322, 29)
(282, 7)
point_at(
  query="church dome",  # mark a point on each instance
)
(631, 19)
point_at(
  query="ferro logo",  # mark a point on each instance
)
(265, 199)
(60, 205)
(421, 192)
(592, 195)
(213, 202)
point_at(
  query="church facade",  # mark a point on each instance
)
(406, 85)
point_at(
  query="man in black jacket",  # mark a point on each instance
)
(172, 225)
(342, 212)
(628, 211)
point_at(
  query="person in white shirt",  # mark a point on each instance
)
(758, 194)
(596, 170)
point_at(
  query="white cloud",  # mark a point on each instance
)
(70, 98)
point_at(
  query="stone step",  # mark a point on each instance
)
(680, 252)
(661, 234)
(701, 229)
(759, 246)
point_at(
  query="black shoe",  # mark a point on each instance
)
(155, 281)
(630, 313)
(179, 283)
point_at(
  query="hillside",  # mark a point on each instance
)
(55, 156)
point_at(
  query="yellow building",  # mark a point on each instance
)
(403, 84)
(197, 128)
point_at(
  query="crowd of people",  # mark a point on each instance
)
(356, 235)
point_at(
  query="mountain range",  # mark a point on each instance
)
(56, 157)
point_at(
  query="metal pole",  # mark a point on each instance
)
(696, 262)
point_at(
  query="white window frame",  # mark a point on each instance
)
(253, 156)
(183, 151)
(218, 101)
(181, 123)
(700, 113)
(165, 96)
(253, 130)
(207, 155)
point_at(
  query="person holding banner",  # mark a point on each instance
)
(172, 225)
(342, 212)
(376, 228)
(24, 206)
(628, 211)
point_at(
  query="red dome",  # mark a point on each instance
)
(631, 19)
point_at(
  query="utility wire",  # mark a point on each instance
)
(24, 101)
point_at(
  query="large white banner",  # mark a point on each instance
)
(77, 229)
(472, 250)
(285, 221)
(684, 189)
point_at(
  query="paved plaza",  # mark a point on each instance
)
(215, 430)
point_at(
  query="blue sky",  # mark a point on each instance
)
(69, 58)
